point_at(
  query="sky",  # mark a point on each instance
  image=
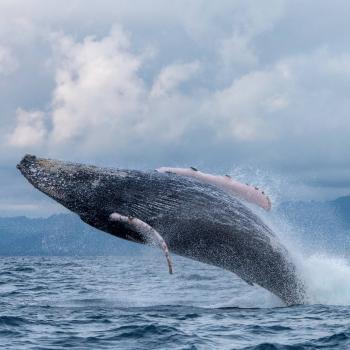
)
(257, 89)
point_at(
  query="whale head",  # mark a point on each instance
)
(89, 191)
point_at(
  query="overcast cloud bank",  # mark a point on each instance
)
(235, 84)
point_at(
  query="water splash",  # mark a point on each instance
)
(327, 279)
(323, 267)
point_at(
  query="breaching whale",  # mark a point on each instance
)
(180, 213)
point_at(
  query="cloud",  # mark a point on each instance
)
(96, 84)
(8, 62)
(100, 103)
(172, 76)
(236, 50)
(30, 129)
(100, 97)
(246, 108)
(235, 82)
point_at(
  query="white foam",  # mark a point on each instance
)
(326, 273)
(327, 279)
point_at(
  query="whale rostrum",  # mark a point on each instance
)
(199, 218)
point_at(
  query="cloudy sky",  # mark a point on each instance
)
(258, 89)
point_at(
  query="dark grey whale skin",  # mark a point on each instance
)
(196, 220)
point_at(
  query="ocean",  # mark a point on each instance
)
(131, 302)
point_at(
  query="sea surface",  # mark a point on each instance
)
(131, 302)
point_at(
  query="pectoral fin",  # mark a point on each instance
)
(146, 231)
(247, 192)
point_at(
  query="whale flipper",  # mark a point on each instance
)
(147, 232)
(247, 192)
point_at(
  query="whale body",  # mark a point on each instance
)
(194, 219)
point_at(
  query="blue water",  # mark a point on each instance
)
(132, 303)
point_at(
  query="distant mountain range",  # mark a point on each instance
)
(319, 213)
(63, 234)
(320, 223)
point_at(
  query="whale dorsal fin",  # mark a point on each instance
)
(147, 232)
(247, 192)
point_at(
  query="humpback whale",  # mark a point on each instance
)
(194, 216)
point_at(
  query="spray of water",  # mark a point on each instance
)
(328, 279)
(325, 271)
